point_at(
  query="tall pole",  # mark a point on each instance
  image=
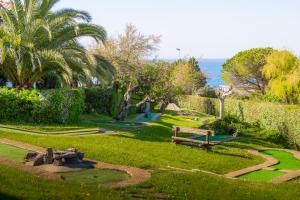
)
(179, 53)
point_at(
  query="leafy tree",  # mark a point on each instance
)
(49, 81)
(283, 70)
(3, 80)
(35, 41)
(156, 83)
(187, 76)
(128, 53)
(244, 70)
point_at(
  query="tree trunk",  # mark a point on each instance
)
(222, 107)
(125, 105)
(163, 106)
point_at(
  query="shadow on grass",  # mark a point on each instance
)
(8, 197)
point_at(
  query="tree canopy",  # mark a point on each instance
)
(244, 70)
(187, 76)
(283, 70)
(35, 40)
(128, 53)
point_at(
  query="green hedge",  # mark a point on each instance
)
(48, 106)
(98, 100)
(59, 106)
(284, 119)
(17, 105)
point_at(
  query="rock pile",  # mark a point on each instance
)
(57, 158)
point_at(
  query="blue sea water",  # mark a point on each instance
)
(212, 69)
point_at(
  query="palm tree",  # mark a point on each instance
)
(35, 41)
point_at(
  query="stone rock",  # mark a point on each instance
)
(49, 156)
(38, 160)
(30, 156)
(80, 155)
(58, 162)
(72, 150)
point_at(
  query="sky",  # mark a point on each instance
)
(201, 28)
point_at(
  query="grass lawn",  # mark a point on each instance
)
(150, 148)
(12, 153)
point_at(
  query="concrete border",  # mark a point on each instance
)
(270, 161)
(137, 175)
(75, 132)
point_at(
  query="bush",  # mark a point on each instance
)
(99, 100)
(17, 105)
(207, 92)
(283, 119)
(59, 106)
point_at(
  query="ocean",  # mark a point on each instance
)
(212, 69)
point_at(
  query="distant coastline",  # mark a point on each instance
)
(212, 68)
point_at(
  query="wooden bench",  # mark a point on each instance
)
(197, 132)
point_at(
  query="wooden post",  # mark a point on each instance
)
(207, 145)
(207, 138)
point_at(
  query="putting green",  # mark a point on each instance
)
(198, 119)
(286, 159)
(95, 176)
(217, 138)
(12, 153)
(262, 175)
(124, 123)
(153, 117)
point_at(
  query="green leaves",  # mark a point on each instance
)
(36, 41)
(244, 70)
(283, 70)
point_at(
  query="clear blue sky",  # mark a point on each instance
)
(202, 28)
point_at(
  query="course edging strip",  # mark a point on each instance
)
(270, 161)
(137, 175)
(76, 132)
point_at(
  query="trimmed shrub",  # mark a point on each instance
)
(17, 105)
(59, 106)
(284, 119)
(98, 100)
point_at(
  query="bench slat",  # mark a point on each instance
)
(192, 130)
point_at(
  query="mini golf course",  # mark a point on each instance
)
(152, 117)
(119, 123)
(76, 132)
(288, 163)
(216, 138)
(12, 154)
(95, 176)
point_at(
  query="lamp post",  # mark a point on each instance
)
(179, 53)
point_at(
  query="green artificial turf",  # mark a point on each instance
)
(286, 159)
(95, 176)
(124, 123)
(214, 138)
(262, 175)
(12, 153)
(145, 119)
